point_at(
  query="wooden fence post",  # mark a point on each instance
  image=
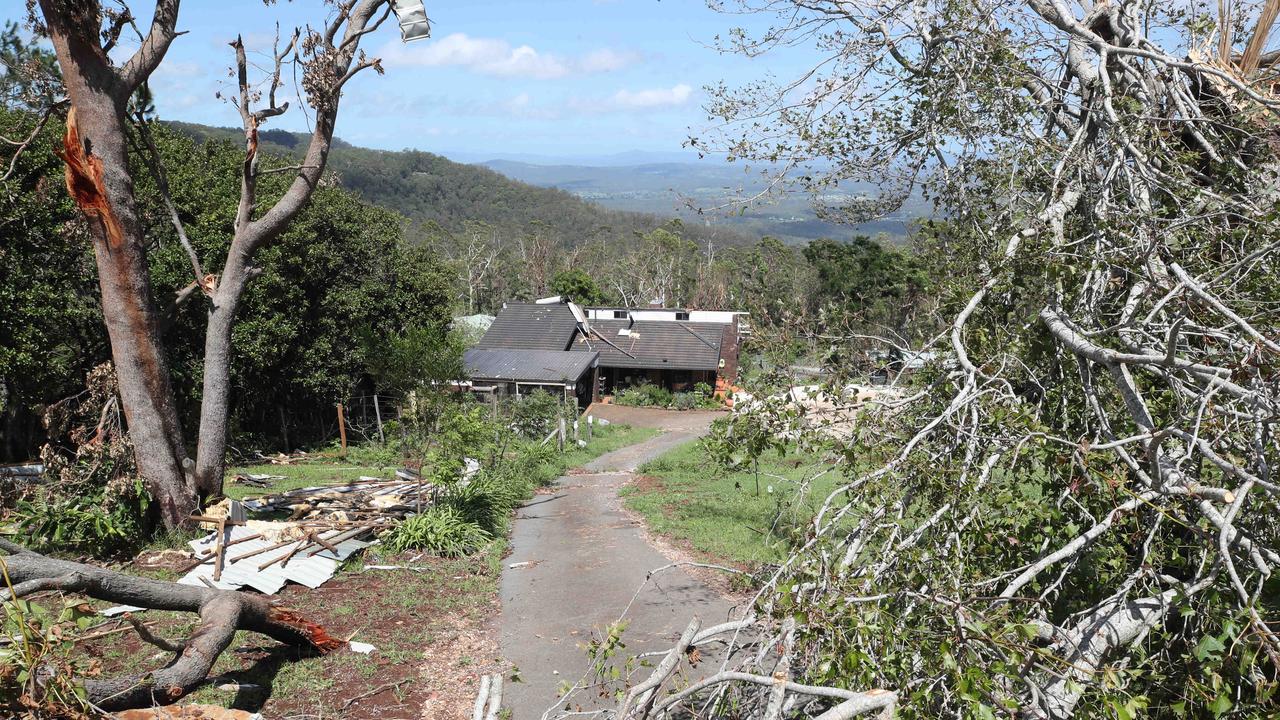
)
(561, 434)
(284, 429)
(342, 429)
(377, 413)
(591, 422)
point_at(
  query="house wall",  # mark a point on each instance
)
(730, 342)
(667, 314)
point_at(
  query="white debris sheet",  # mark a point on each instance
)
(251, 563)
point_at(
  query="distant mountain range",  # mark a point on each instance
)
(693, 190)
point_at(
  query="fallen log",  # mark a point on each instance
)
(222, 613)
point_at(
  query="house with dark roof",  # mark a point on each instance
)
(588, 353)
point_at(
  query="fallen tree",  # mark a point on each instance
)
(222, 613)
(1073, 511)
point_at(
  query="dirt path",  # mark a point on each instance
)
(579, 560)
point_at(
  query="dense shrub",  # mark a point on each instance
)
(93, 499)
(441, 529)
(647, 395)
(535, 415)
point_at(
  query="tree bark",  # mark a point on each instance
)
(95, 151)
(222, 613)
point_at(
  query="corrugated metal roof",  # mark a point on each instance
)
(550, 366)
(660, 344)
(528, 326)
(310, 566)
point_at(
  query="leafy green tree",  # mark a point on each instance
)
(50, 325)
(101, 162)
(864, 278)
(577, 285)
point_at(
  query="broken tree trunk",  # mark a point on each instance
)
(222, 613)
(97, 174)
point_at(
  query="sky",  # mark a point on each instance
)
(566, 79)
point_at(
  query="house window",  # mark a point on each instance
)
(619, 314)
(682, 316)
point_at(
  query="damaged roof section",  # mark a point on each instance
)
(549, 366)
(266, 565)
(656, 344)
(531, 326)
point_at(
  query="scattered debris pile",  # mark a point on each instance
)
(368, 499)
(258, 481)
(832, 411)
(326, 525)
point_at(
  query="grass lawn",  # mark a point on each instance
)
(718, 514)
(328, 468)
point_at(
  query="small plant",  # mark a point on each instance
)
(688, 401)
(441, 530)
(37, 669)
(535, 415)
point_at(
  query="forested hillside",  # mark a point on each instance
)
(439, 194)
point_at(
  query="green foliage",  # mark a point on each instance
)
(536, 414)
(644, 395)
(578, 286)
(416, 358)
(39, 666)
(649, 395)
(441, 529)
(94, 500)
(866, 279)
(51, 331)
(343, 295)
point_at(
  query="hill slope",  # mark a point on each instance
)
(434, 191)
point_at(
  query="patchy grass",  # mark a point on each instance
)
(307, 473)
(717, 513)
(605, 439)
(432, 625)
(331, 469)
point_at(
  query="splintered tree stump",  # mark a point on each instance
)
(222, 613)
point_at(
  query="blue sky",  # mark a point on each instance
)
(498, 78)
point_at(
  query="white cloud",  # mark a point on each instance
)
(492, 56)
(607, 60)
(652, 98)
